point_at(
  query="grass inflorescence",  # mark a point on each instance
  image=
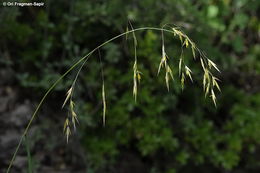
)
(210, 82)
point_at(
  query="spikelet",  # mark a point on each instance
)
(202, 64)
(204, 81)
(188, 72)
(193, 51)
(66, 129)
(179, 33)
(167, 75)
(206, 78)
(207, 89)
(163, 62)
(180, 66)
(186, 43)
(74, 117)
(139, 76)
(209, 81)
(167, 81)
(135, 80)
(69, 92)
(136, 75)
(213, 97)
(104, 103)
(182, 80)
(135, 90)
(215, 83)
(211, 63)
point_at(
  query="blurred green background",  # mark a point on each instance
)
(164, 132)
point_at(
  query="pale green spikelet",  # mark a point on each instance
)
(163, 61)
(213, 97)
(167, 75)
(66, 129)
(74, 117)
(211, 63)
(104, 103)
(182, 80)
(186, 43)
(188, 72)
(69, 92)
(215, 83)
(135, 76)
(193, 51)
(202, 64)
(180, 66)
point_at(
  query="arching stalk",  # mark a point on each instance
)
(205, 62)
(84, 60)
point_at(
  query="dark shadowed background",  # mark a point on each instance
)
(163, 132)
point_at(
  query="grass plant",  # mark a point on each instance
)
(210, 82)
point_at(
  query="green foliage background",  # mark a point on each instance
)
(165, 132)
